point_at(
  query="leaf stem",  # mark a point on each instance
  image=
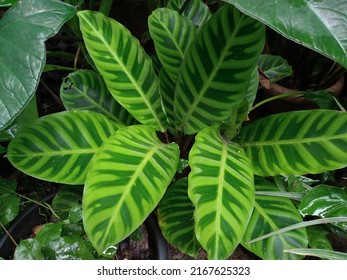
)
(8, 234)
(272, 99)
(299, 225)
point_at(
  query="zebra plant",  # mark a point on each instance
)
(127, 154)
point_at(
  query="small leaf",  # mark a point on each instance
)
(9, 208)
(28, 249)
(324, 99)
(68, 248)
(318, 237)
(75, 214)
(274, 67)
(176, 218)
(48, 233)
(67, 198)
(326, 202)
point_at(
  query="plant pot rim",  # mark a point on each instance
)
(22, 227)
(277, 89)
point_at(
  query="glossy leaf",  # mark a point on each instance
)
(222, 190)
(216, 71)
(302, 142)
(68, 248)
(125, 67)
(318, 237)
(9, 208)
(67, 197)
(253, 86)
(293, 19)
(24, 29)
(326, 202)
(28, 249)
(270, 214)
(7, 3)
(48, 233)
(28, 115)
(275, 68)
(60, 147)
(196, 10)
(176, 218)
(172, 34)
(128, 177)
(86, 90)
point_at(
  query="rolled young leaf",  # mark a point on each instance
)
(24, 29)
(125, 67)
(296, 143)
(221, 188)
(214, 76)
(128, 177)
(59, 147)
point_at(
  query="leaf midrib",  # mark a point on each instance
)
(294, 141)
(128, 189)
(128, 73)
(201, 94)
(56, 153)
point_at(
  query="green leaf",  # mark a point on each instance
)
(59, 147)
(172, 34)
(24, 29)
(196, 10)
(2, 150)
(75, 214)
(176, 218)
(270, 214)
(324, 99)
(253, 86)
(86, 90)
(222, 190)
(216, 70)
(320, 253)
(28, 249)
(326, 202)
(7, 3)
(9, 208)
(293, 19)
(167, 90)
(128, 177)
(27, 116)
(302, 142)
(126, 68)
(274, 67)
(318, 237)
(48, 233)
(67, 198)
(68, 248)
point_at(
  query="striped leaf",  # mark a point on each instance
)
(222, 190)
(172, 34)
(270, 214)
(60, 147)
(274, 67)
(176, 218)
(167, 90)
(86, 90)
(125, 67)
(252, 89)
(196, 10)
(297, 143)
(216, 71)
(128, 177)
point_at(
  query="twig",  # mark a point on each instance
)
(8, 234)
(51, 92)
